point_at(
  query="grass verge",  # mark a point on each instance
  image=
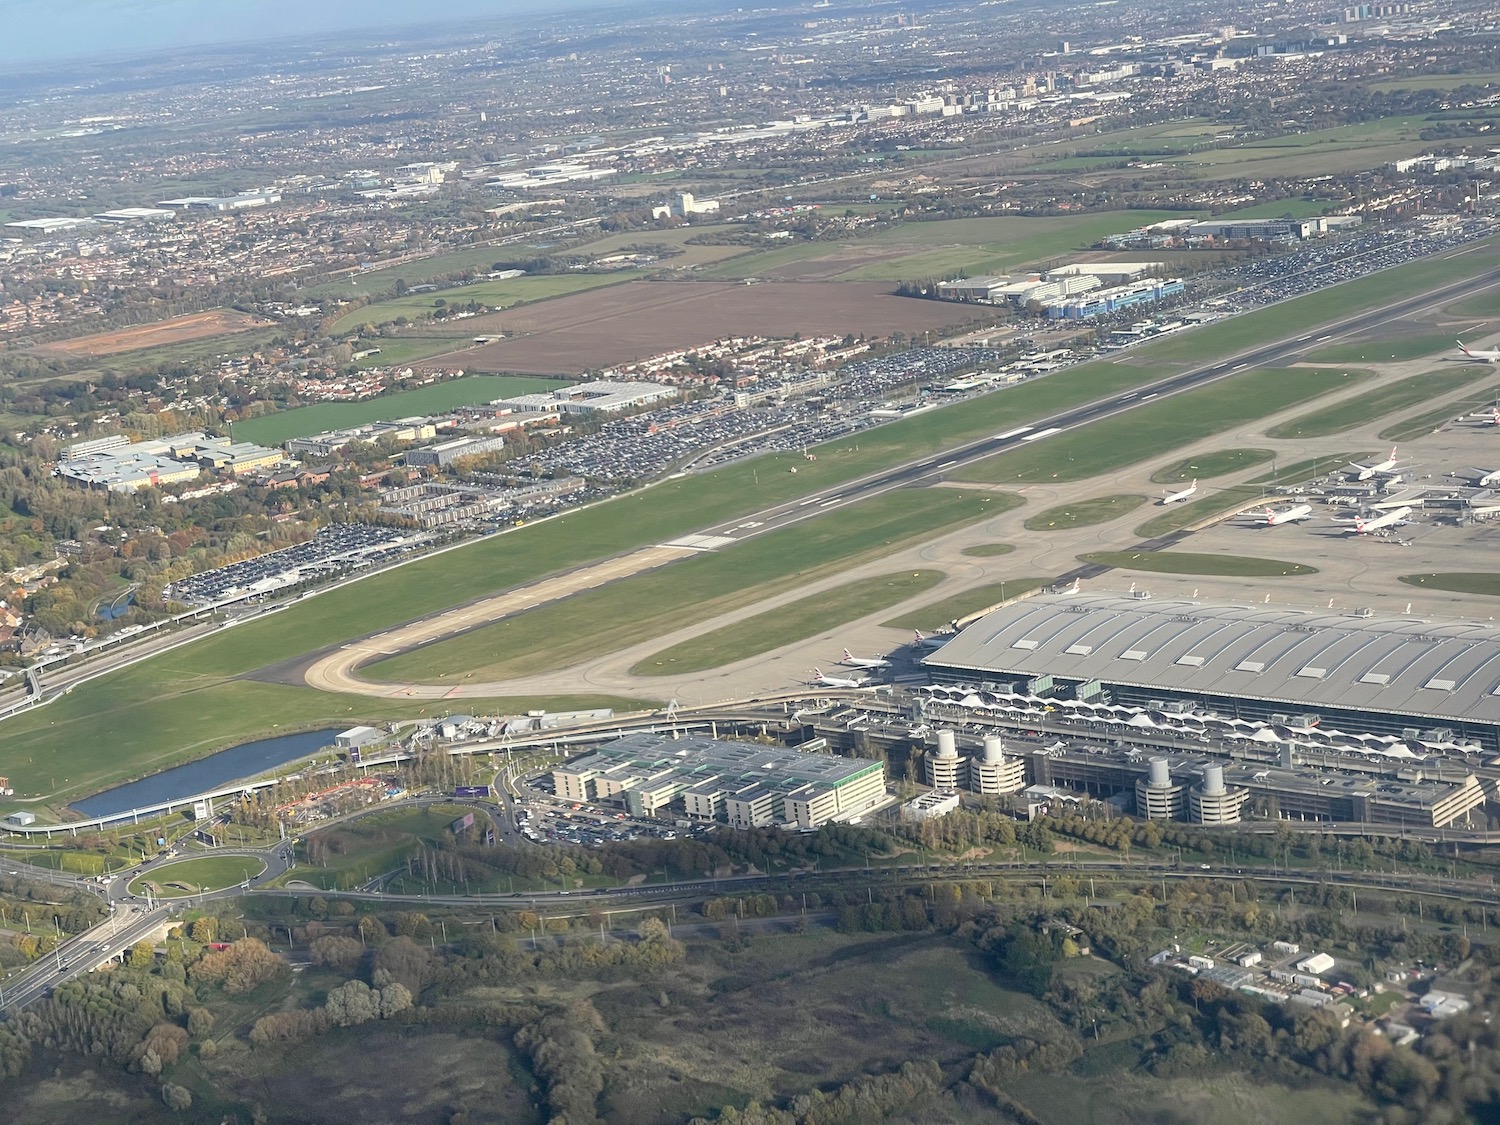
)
(1429, 420)
(1206, 466)
(796, 621)
(1377, 403)
(988, 550)
(1085, 513)
(1186, 562)
(1382, 351)
(1487, 584)
(1111, 444)
(936, 614)
(194, 876)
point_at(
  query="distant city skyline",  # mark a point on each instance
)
(40, 31)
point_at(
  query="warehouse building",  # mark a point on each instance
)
(1392, 686)
(445, 453)
(597, 397)
(743, 784)
(114, 464)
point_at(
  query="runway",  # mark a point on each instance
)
(337, 671)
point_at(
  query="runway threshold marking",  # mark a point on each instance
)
(1042, 434)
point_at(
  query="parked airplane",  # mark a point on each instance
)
(1288, 515)
(1490, 417)
(1380, 468)
(1173, 497)
(820, 680)
(937, 640)
(852, 661)
(1486, 477)
(1386, 519)
(1483, 355)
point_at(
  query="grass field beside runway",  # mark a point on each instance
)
(1383, 351)
(1110, 444)
(1084, 513)
(1378, 402)
(935, 615)
(796, 621)
(1186, 562)
(696, 589)
(1207, 466)
(199, 710)
(1484, 584)
(988, 550)
(1430, 420)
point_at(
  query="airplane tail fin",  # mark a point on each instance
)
(848, 655)
(918, 632)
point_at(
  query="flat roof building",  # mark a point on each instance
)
(743, 784)
(598, 397)
(1396, 685)
(445, 453)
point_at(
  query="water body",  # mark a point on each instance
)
(206, 774)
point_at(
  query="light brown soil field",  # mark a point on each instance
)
(178, 330)
(625, 323)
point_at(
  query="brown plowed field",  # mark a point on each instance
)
(178, 330)
(624, 323)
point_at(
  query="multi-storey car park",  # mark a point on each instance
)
(743, 784)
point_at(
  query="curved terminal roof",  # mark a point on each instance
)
(1448, 670)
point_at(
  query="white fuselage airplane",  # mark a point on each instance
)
(937, 641)
(820, 680)
(1380, 468)
(1488, 417)
(1174, 497)
(1483, 355)
(852, 661)
(1288, 515)
(1486, 477)
(1389, 519)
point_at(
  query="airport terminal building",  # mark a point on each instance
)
(1393, 685)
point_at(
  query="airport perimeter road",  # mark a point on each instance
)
(338, 671)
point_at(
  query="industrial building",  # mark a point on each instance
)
(743, 784)
(1103, 301)
(445, 453)
(330, 442)
(115, 464)
(598, 397)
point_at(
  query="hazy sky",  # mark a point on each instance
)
(34, 30)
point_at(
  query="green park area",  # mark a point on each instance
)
(196, 876)
(205, 696)
(1186, 562)
(1112, 443)
(1377, 402)
(1207, 466)
(955, 607)
(1084, 513)
(796, 621)
(696, 589)
(492, 294)
(1485, 584)
(273, 429)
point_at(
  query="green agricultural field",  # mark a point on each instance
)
(1481, 79)
(988, 550)
(935, 615)
(197, 699)
(417, 272)
(1186, 562)
(1084, 513)
(1377, 403)
(273, 429)
(1111, 444)
(1486, 584)
(1207, 466)
(1382, 351)
(398, 350)
(495, 294)
(1430, 420)
(950, 247)
(1280, 209)
(194, 876)
(696, 589)
(806, 617)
